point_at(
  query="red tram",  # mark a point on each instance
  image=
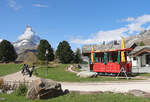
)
(109, 61)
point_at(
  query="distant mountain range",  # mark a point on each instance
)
(143, 36)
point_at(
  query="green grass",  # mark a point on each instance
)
(74, 97)
(59, 73)
(9, 68)
(144, 74)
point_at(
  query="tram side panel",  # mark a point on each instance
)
(99, 67)
(108, 68)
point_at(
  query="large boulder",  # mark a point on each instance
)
(44, 89)
(1, 81)
(139, 93)
(86, 74)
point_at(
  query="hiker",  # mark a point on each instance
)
(23, 69)
(31, 72)
(27, 70)
(79, 66)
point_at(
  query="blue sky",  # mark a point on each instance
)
(77, 21)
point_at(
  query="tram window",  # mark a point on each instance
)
(114, 56)
(110, 59)
(102, 59)
(97, 59)
(134, 58)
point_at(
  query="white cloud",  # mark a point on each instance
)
(13, 4)
(1, 40)
(40, 5)
(129, 19)
(135, 25)
(102, 36)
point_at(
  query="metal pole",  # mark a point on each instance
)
(46, 53)
(47, 67)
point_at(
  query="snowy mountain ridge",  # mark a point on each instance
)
(27, 39)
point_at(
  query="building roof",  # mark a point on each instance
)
(138, 49)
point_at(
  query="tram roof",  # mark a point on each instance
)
(111, 50)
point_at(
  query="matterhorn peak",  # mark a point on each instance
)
(27, 39)
(28, 34)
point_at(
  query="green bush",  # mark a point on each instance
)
(42, 62)
(22, 90)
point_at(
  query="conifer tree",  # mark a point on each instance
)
(43, 46)
(64, 52)
(7, 51)
(141, 43)
(77, 56)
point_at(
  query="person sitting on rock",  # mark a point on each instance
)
(79, 66)
(31, 72)
(27, 70)
(23, 69)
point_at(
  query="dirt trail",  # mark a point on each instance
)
(108, 86)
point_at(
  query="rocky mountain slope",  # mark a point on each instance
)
(143, 36)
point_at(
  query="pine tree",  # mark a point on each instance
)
(7, 51)
(64, 52)
(43, 46)
(77, 56)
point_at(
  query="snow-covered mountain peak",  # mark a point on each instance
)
(28, 34)
(27, 39)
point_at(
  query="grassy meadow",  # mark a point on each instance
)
(60, 73)
(75, 97)
(9, 68)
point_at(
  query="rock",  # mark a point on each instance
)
(2, 99)
(10, 91)
(66, 91)
(44, 89)
(1, 81)
(139, 93)
(1, 91)
(86, 74)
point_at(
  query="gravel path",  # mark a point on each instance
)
(108, 86)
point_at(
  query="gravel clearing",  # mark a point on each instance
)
(108, 86)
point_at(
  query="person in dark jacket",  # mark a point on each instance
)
(23, 69)
(31, 72)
